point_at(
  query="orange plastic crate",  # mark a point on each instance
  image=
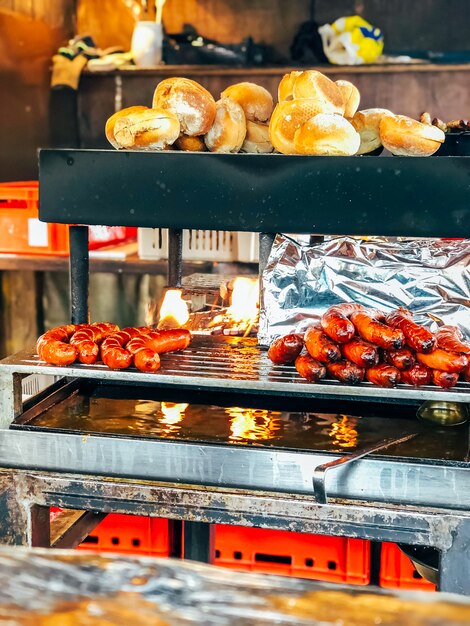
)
(21, 232)
(129, 534)
(334, 559)
(398, 572)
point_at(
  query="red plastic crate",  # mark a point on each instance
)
(21, 232)
(398, 572)
(129, 534)
(319, 557)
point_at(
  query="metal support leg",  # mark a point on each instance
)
(454, 567)
(199, 541)
(79, 274)
(175, 257)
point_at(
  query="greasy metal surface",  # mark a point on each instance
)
(70, 528)
(255, 192)
(234, 364)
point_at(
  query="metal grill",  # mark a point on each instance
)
(235, 364)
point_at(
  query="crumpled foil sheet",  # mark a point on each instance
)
(429, 277)
(41, 587)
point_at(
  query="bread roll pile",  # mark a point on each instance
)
(314, 116)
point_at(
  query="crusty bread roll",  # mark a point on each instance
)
(404, 136)
(257, 138)
(286, 86)
(109, 128)
(140, 128)
(316, 86)
(229, 128)
(367, 123)
(327, 134)
(256, 101)
(192, 104)
(351, 97)
(287, 117)
(190, 144)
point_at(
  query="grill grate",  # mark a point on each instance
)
(234, 364)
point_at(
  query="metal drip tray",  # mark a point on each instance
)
(237, 365)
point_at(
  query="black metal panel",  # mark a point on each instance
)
(418, 197)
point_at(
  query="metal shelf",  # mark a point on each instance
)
(389, 196)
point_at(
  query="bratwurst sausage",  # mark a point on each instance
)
(444, 361)
(383, 375)
(320, 347)
(310, 369)
(360, 352)
(285, 349)
(346, 372)
(370, 329)
(449, 338)
(416, 336)
(417, 375)
(335, 322)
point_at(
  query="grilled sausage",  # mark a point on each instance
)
(370, 329)
(54, 348)
(285, 349)
(417, 375)
(444, 361)
(335, 322)
(417, 337)
(86, 342)
(320, 347)
(172, 340)
(449, 338)
(361, 353)
(310, 369)
(402, 359)
(383, 375)
(346, 372)
(113, 354)
(447, 380)
(143, 355)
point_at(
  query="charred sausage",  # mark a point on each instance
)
(54, 347)
(383, 375)
(417, 375)
(402, 359)
(310, 369)
(444, 361)
(285, 349)
(320, 347)
(346, 372)
(449, 338)
(335, 322)
(447, 380)
(370, 329)
(360, 352)
(417, 337)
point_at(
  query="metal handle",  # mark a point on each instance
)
(319, 473)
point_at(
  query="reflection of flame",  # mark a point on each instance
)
(174, 310)
(245, 299)
(252, 424)
(344, 432)
(172, 415)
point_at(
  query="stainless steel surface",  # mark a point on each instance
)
(436, 484)
(232, 364)
(444, 413)
(209, 282)
(428, 277)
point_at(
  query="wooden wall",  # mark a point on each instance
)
(30, 32)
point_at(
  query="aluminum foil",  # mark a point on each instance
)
(429, 277)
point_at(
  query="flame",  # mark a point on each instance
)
(344, 432)
(172, 415)
(245, 300)
(174, 310)
(252, 424)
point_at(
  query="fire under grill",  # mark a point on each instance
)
(234, 364)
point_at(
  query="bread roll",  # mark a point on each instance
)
(257, 138)
(190, 144)
(287, 117)
(256, 101)
(404, 136)
(229, 128)
(327, 134)
(190, 102)
(109, 128)
(286, 86)
(351, 97)
(140, 128)
(367, 123)
(316, 86)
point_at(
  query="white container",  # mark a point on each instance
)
(147, 42)
(35, 383)
(200, 245)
